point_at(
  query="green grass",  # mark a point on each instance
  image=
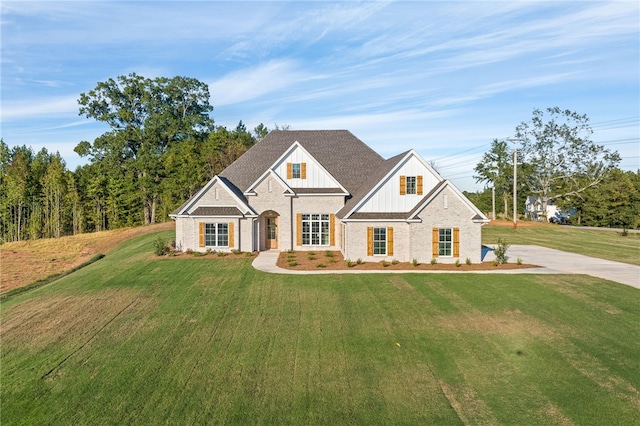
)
(608, 245)
(136, 339)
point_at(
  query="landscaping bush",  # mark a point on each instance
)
(501, 251)
(160, 246)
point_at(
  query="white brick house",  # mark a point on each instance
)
(327, 190)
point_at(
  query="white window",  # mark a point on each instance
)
(216, 234)
(380, 241)
(315, 230)
(217, 193)
(411, 185)
(296, 171)
(445, 241)
(445, 201)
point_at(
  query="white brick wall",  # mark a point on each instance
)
(456, 215)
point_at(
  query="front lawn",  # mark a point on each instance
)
(135, 339)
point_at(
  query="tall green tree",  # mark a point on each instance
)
(146, 117)
(562, 160)
(496, 169)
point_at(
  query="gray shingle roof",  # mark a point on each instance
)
(317, 190)
(217, 211)
(347, 158)
(379, 216)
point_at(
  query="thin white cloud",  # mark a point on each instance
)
(253, 83)
(34, 108)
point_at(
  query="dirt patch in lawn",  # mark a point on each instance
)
(333, 260)
(40, 322)
(24, 262)
(507, 323)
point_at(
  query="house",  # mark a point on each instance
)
(328, 190)
(533, 209)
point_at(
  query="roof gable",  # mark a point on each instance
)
(317, 177)
(378, 192)
(335, 150)
(477, 215)
(200, 199)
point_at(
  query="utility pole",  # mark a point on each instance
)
(493, 202)
(515, 181)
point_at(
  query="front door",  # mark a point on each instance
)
(271, 239)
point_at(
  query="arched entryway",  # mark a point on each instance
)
(270, 232)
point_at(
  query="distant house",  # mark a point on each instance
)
(533, 209)
(328, 190)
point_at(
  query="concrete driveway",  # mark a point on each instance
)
(550, 262)
(563, 262)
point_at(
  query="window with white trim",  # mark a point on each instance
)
(296, 172)
(315, 230)
(216, 234)
(379, 241)
(411, 186)
(445, 241)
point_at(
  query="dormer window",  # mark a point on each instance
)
(411, 185)
(295, 171)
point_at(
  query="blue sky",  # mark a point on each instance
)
(444, 78)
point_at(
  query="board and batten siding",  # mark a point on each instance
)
(388, 197)
(315, 177)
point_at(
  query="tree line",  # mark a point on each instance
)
(161, 147)
(557, 162)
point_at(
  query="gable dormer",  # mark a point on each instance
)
(300, 170)
(402, 188)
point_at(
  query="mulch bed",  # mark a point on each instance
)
(333, 260)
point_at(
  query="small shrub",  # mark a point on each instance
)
(160, 246)
(468, 261)
(321, 265)
(519, 261)
(359, 261)
(434, 261)
(221, 254)
(395, 261)
(189, 251)
(349, 263)
(495, 262)
(458, 263)
(501, 251)
(171, 253)
(207, 251)
(328, 253)
(415, 262)
(293, 263)
(197, 254)
(248, 254)
(385, 263)
(236, 251)
(311, 256)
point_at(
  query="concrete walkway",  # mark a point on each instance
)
(550, 262)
